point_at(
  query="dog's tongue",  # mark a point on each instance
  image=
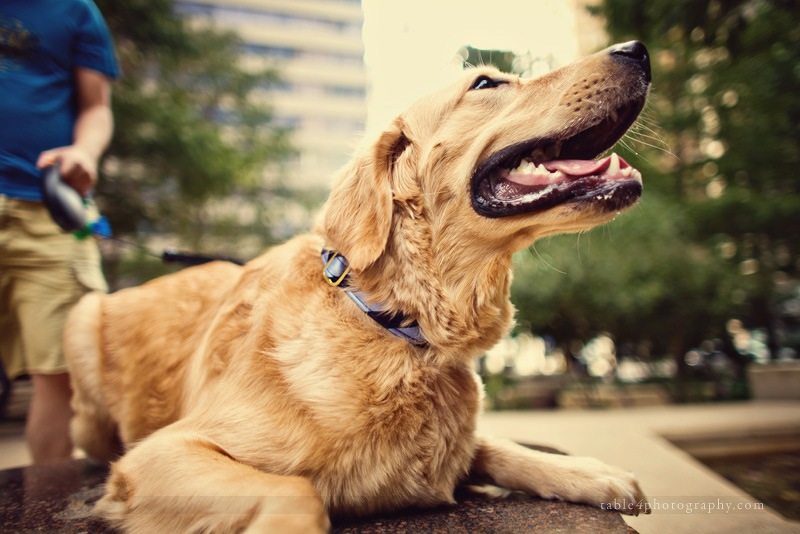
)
(578, 167)
(547, 172)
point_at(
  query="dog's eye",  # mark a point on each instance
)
(484, 82)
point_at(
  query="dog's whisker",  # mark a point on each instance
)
(656, 139)
(664, 149)
(642, 125)
(540, 257)
(643, 122)
(623, 142)
(646, 120)
(642, 134)
(651, 134)
(608, 232)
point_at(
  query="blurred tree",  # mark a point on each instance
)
(716, 236)
(726, 85)
(525, 65)
(188, 133)
(478, 57)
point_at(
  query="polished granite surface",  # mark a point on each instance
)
(58, 498)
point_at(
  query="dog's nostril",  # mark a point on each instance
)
(633, 51)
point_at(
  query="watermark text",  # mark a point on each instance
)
(687, 505)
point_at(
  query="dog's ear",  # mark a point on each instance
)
(358, 214)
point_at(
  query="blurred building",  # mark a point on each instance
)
(590, 29)
(317, 49)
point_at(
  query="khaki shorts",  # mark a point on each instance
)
(43, 273)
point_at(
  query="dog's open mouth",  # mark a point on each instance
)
(542, 173)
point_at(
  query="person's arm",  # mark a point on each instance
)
(92, 132)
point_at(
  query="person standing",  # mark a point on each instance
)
(57, 61)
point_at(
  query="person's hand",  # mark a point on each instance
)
(78, 168)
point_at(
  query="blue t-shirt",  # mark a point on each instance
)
(41, 44)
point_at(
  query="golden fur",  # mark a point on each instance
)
(261, 399)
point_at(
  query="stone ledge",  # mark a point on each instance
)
(748, 440)
(632, 438)
(473, 514)
(778, 380)
(58, 498)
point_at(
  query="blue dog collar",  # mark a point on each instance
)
(336, 271)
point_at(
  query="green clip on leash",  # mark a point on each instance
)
(69, 209)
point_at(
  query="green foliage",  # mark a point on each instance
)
(187, 131)
(716, 235)
(629, 279)
(477, 57)
(726, 79)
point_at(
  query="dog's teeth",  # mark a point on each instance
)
(613, 167)
(533, 163)
(626, 172)
(537, 155)
(614, 116)
(525, 167)
(552, 151)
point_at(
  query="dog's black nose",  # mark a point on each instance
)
(633, 51)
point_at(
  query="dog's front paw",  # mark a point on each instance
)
(590, 481)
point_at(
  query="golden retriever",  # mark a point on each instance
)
(334, 374)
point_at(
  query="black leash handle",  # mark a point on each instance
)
(65, 205)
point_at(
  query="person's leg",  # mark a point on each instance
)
(51, 271)
(47, 430)
(41, 311)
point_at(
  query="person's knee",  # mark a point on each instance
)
(52, 387)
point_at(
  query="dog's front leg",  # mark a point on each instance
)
(555, 476)
(178, 482)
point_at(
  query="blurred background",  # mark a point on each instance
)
(232, 115)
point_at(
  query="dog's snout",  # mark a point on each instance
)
(635, 52)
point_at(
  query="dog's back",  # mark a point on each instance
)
(131, 349)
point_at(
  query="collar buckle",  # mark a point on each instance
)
(335, 274)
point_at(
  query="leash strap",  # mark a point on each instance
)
(336, 271)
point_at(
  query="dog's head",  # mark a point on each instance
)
(472, 173)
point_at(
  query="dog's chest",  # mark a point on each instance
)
(408, 448)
